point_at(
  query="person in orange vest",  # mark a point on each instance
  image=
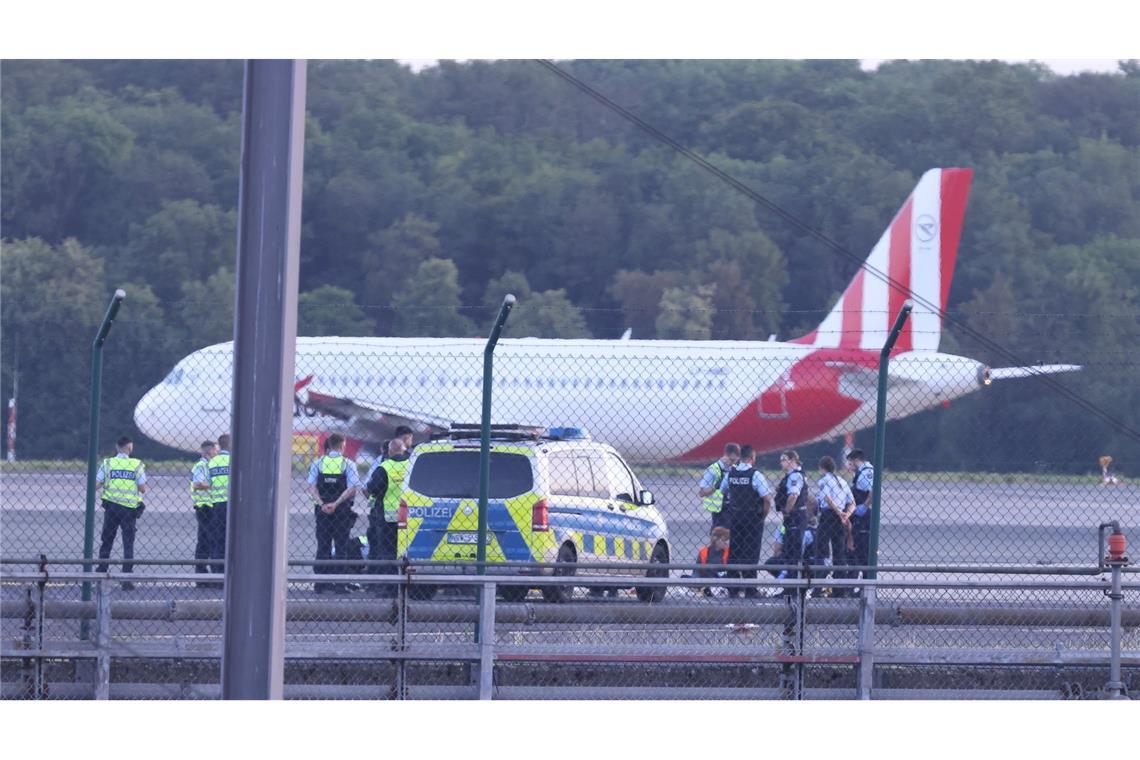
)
(716, 553)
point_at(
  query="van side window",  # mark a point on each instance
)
(591, 476)
(620, 479)
(561, 478)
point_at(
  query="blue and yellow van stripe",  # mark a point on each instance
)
(617, 547)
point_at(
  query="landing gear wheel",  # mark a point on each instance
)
(421, 593)
(514, 593)
(559, 594)
(655, 593)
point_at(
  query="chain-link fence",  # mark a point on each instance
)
(667, 410)
(605, 461)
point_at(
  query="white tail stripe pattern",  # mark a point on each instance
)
(915, 239)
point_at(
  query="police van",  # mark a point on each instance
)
(554, 496)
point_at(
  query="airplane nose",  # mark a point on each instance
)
(148, 414)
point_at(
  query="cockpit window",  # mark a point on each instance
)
(175, 377)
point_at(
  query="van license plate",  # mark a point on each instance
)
(462, 538)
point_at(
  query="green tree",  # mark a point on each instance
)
(56, 160)
(185, 241)
(206, 309)
(546, 314)
(429, 305)
(392, 258)
(329, 310)
(759, 265)
(686, 313)
(52, 301)
(639, 295)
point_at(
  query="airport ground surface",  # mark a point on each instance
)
(933, 522)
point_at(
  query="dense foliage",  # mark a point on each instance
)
(428, 195)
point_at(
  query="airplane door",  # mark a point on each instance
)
(774, 401)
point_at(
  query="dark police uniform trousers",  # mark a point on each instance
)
(747, 516)
(333, 529)
(116, 517)
(861, 524)
(794, 523)
(202, 547)
(216, 536)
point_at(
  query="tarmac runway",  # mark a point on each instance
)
(926, 522)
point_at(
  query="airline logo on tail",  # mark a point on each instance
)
(913, 259)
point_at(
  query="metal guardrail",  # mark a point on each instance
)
(793, 615)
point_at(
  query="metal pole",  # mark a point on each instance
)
(265, 337)
(485, 429)
(866, 641)
(881, 438)
(486, 639)
(1115, 685)
(93, 441)
(401, 643)
(103, 642)
(485, 440)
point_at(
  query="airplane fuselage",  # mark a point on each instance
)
(652, 400)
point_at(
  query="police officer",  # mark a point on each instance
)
(219, 467)
(202, 501)
(791, 502)
(333, 482)
(861, 485)
(122, 478)
(836, 505)
(385, 484)
(749, 501)
(712, 497)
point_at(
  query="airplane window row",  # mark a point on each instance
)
(563, 382)
(178, 375)
(532, 382)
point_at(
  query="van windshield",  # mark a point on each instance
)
(455, 475)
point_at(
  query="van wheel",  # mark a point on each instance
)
(655, 593)
(559, 594)
(421, 593)
(513, 593)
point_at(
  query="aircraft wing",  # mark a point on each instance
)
(370, 421)
(1005, 373)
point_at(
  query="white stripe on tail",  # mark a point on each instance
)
(917, 254)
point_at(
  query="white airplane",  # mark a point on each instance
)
(654, 400)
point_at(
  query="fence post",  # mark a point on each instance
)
(881, 438)
(485, 439)
(1115, 560)
(486, 639)
(102, 641)
(866, 640)
(1115, 685)
(801, 634)
(93, 442)
(27, 666)
(788, 646)
(402, 638)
